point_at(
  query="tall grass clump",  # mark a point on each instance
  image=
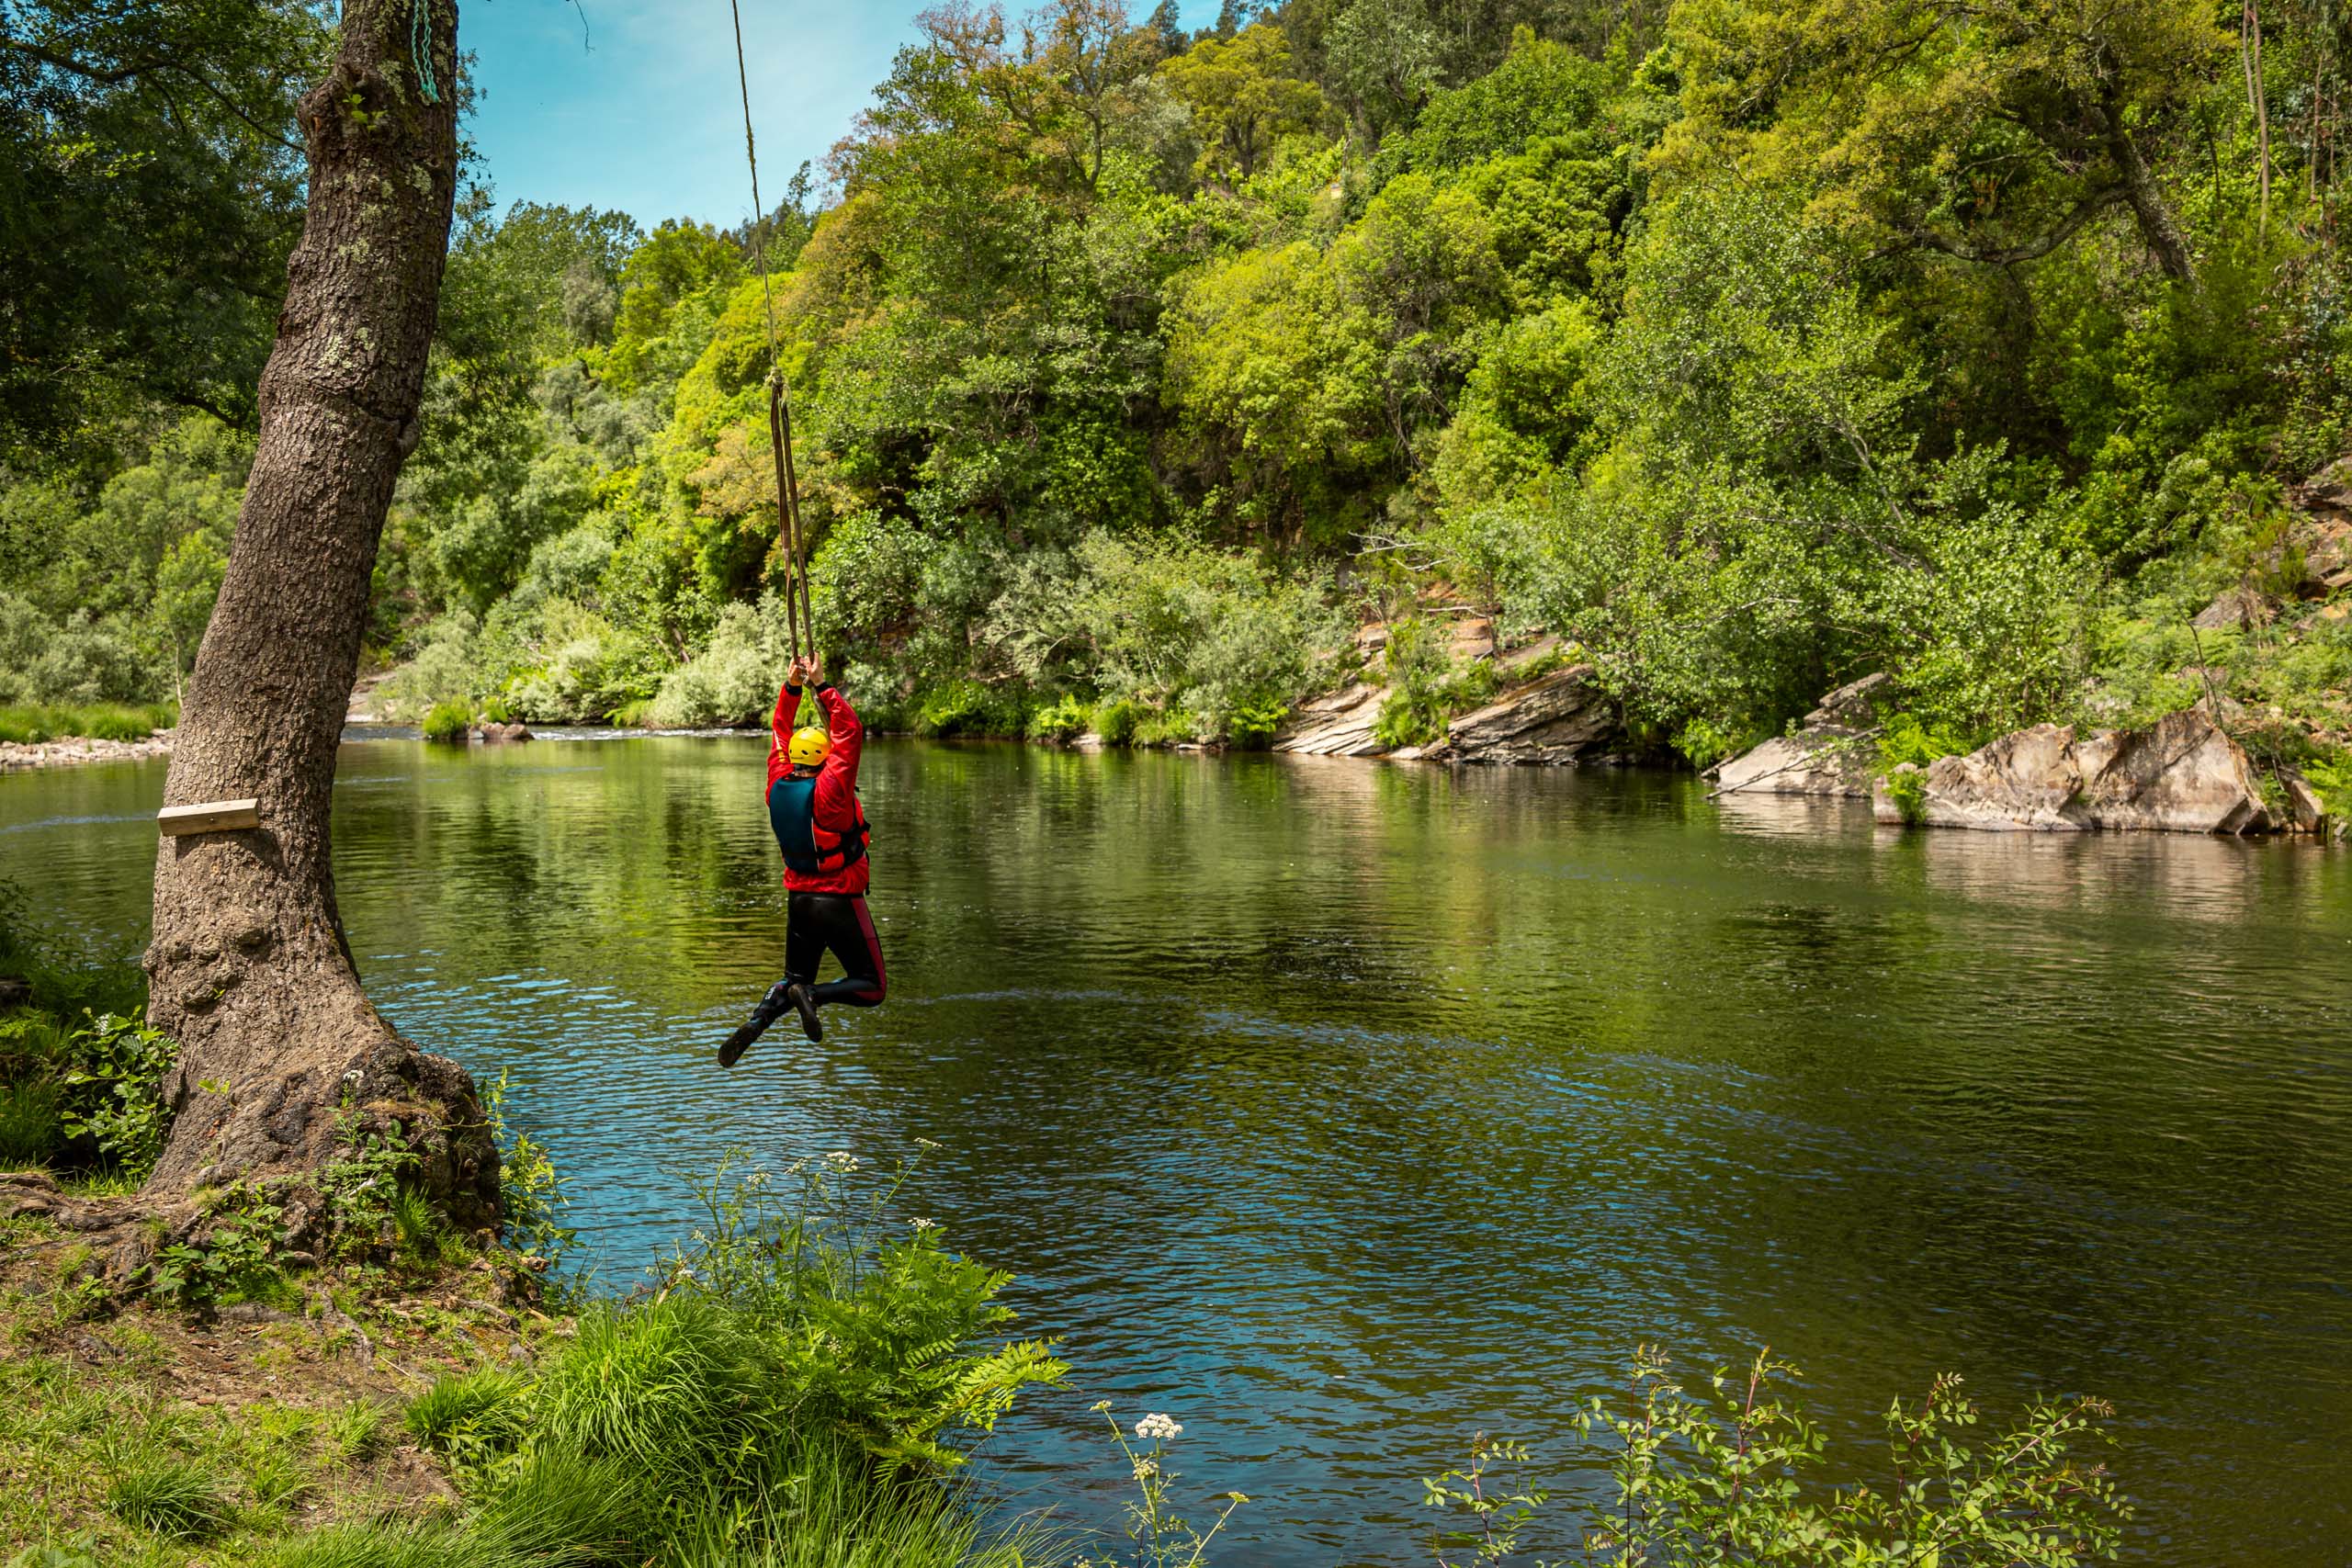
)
(686, 1392)
(465, 1409)
(177, 1499)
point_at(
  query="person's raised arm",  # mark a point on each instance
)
(787, 713)
(837, 785)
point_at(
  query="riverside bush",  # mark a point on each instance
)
(1063, 720)
(448, 723)
(1722, 1475)
(883, 1335)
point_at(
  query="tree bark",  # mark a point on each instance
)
(2158, 227)
(249, 968)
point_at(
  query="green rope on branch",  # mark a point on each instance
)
(420, 49)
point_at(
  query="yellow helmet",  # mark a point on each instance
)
(809, 747)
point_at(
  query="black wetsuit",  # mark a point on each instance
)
(839, 922)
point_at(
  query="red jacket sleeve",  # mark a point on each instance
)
(836, 802)
(787, 713)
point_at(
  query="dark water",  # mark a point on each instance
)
(1340, 1110)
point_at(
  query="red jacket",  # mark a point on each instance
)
(836, 797)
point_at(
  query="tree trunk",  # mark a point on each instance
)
(2158, 227)
(249, 967)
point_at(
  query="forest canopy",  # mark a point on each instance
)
(1745, 345)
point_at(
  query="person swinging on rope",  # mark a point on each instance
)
(821, 827)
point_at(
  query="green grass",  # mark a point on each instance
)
(31, 724)
(681, 1391)
(557, 1506)
(177, 1499)
(478, 1404)
(28, 1131)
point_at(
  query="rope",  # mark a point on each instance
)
(799, 618)
(419, 49)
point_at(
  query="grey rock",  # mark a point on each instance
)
(2306, 811)
(1557, 719)
(1831, 753)
(2236, 609)
(1339, 725)
(2181, 774)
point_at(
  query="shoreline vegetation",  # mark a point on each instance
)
(801, 1380)
(1689, 336)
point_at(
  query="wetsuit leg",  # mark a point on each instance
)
(840, 922)
(804, 938)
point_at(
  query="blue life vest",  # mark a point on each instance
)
(808, 848)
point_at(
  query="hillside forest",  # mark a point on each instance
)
(1746, 346)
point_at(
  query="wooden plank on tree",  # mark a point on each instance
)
(213, 816)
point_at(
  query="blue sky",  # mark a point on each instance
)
(647, 118)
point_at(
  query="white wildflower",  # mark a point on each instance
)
(922, 1225)
(929, 1143)
(841, 1160)
(1146, 1469)
(1158, 1428)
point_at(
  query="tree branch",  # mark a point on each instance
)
(2068, 228)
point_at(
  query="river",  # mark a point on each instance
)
(1343, 1109)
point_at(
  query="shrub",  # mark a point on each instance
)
(1063, 721)
(530, 1185)
(118, 1065)
(1252, 728)
(1116, 720)
(116, 1076)
(967, 708)
(732, 681)
(234, 1261)
(178, 1499)
(450, 724)
(879, 1329)
(1693, 1474)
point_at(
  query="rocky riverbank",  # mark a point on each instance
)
(71, 750)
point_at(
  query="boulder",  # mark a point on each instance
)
(2181, 774)
(491, 734)
(2318, 547)
(2306, 812)
(1554, 720)
(1831, 751)
(1339, 725)
(2235, 610)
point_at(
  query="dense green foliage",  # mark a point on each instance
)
(806, 1354)
(1747, 344)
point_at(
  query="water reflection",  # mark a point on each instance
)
(1343, 1109)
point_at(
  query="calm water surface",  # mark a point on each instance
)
(1341, 1110)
